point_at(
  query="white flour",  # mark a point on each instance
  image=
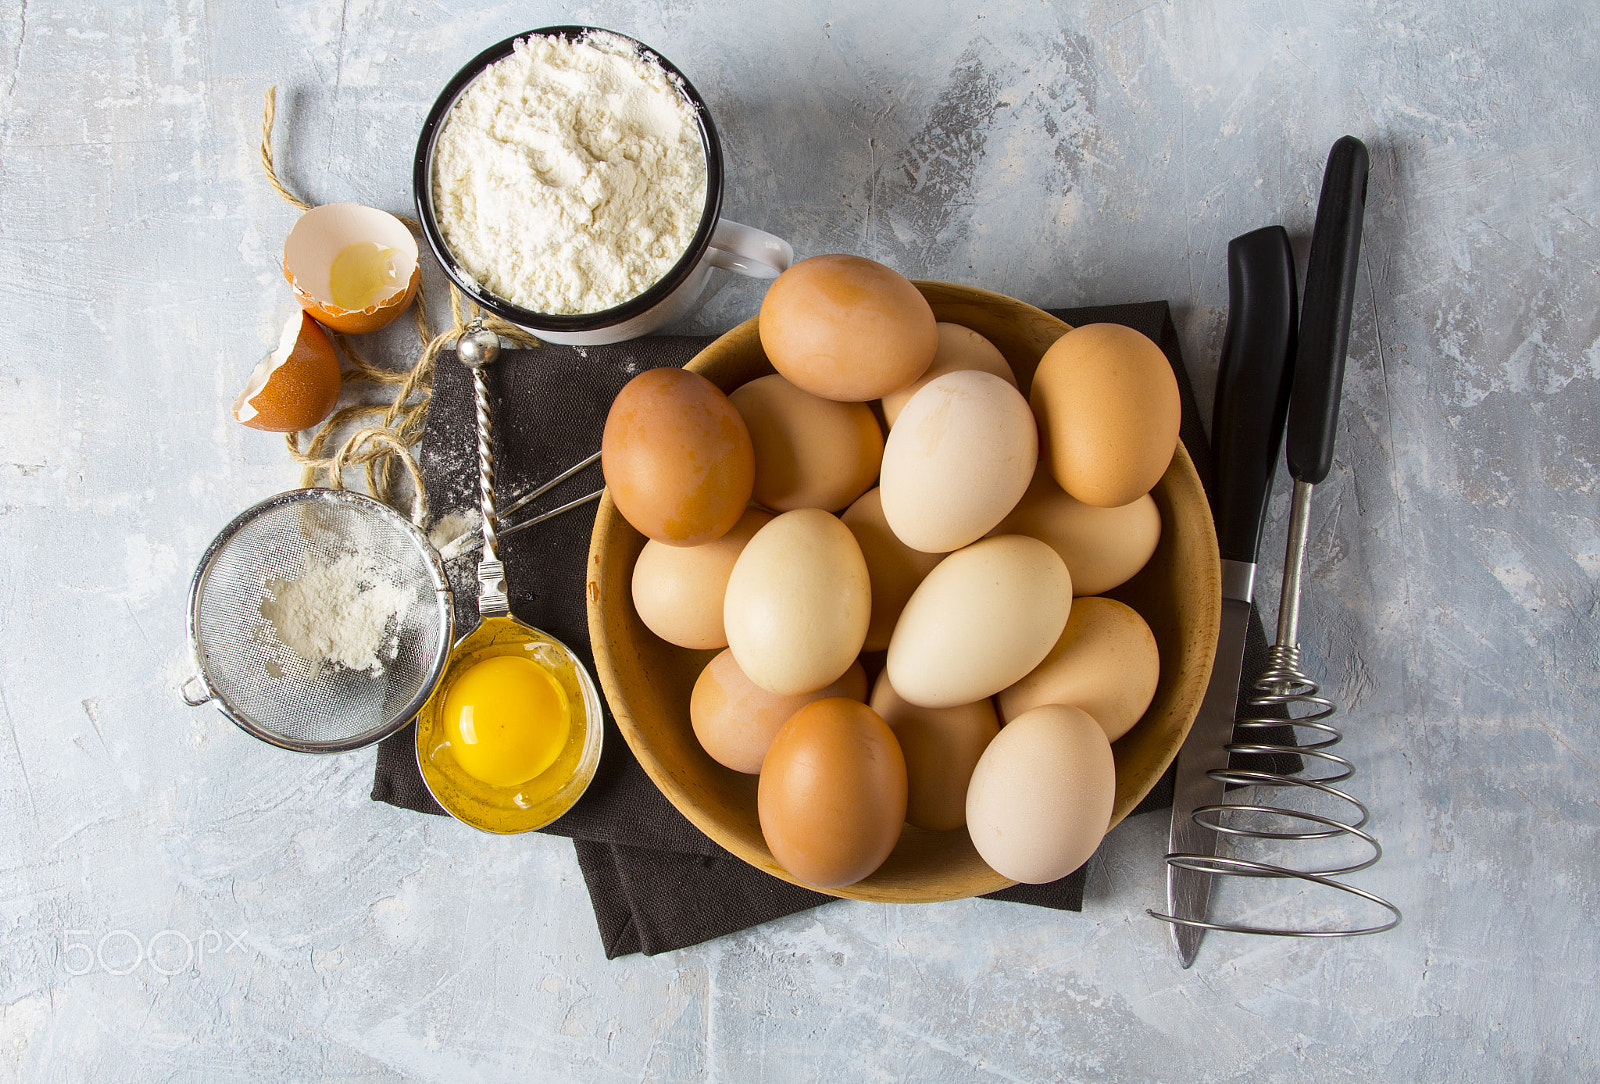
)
(338, 612)
(569, 177)
(451, 534)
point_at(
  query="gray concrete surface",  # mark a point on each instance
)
(1063, 153)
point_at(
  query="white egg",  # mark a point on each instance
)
(960, 456)
(983, 618)
(1041, 797)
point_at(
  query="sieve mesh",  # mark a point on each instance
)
(265, 686)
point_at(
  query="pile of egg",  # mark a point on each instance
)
(961, 558)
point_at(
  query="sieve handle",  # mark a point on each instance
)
(192, 701)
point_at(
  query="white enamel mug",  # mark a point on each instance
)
(717, 242)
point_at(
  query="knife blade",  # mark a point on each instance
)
(1252, 399)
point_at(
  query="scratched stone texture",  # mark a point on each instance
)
(178, 902)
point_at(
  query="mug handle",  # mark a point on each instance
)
(749, 251)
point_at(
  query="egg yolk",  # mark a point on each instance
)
(507, 720)
(361, 275)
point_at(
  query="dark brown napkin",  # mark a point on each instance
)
(656, 882)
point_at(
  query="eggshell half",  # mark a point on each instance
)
(798, 602)
(1106, 663)
(316, 240)
(1041, 796)
(984, 617)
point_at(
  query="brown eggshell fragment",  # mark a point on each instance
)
(1103, 547)
(677, 457)
(848, 328)
(894, 568)
(1106, 663)
(1041, 796)
(832, 793)
(941, 747)
(736, 719)
(678, 590)
(1108, 410)
(959, 348)
(810, 452)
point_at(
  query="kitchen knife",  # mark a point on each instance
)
(1252, 398)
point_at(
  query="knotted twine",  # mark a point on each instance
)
(377, 447)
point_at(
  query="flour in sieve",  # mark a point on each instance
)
(569, 176)
(338, 612)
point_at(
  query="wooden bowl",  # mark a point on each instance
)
(647, 681)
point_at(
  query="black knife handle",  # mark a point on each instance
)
(1325, 320)
(1252, 386)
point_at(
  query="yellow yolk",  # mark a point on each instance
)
(507, 720)
(362, 275)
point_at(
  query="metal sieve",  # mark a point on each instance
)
(260, 682)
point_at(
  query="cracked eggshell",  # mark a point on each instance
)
(315, 242)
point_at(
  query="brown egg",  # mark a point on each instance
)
(1106, 663)
(678, 590)
(354, 268)
(294, 387)
(1103, 547)
(894, 569)
(1108, 412)
(847, 328)
(810, 452)
(677, 457)
(959, 348)
(735, 719)
(832, 795)
(941, 747)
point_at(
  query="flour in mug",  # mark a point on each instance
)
(570, 176)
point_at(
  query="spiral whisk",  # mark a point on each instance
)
(1287, 698)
